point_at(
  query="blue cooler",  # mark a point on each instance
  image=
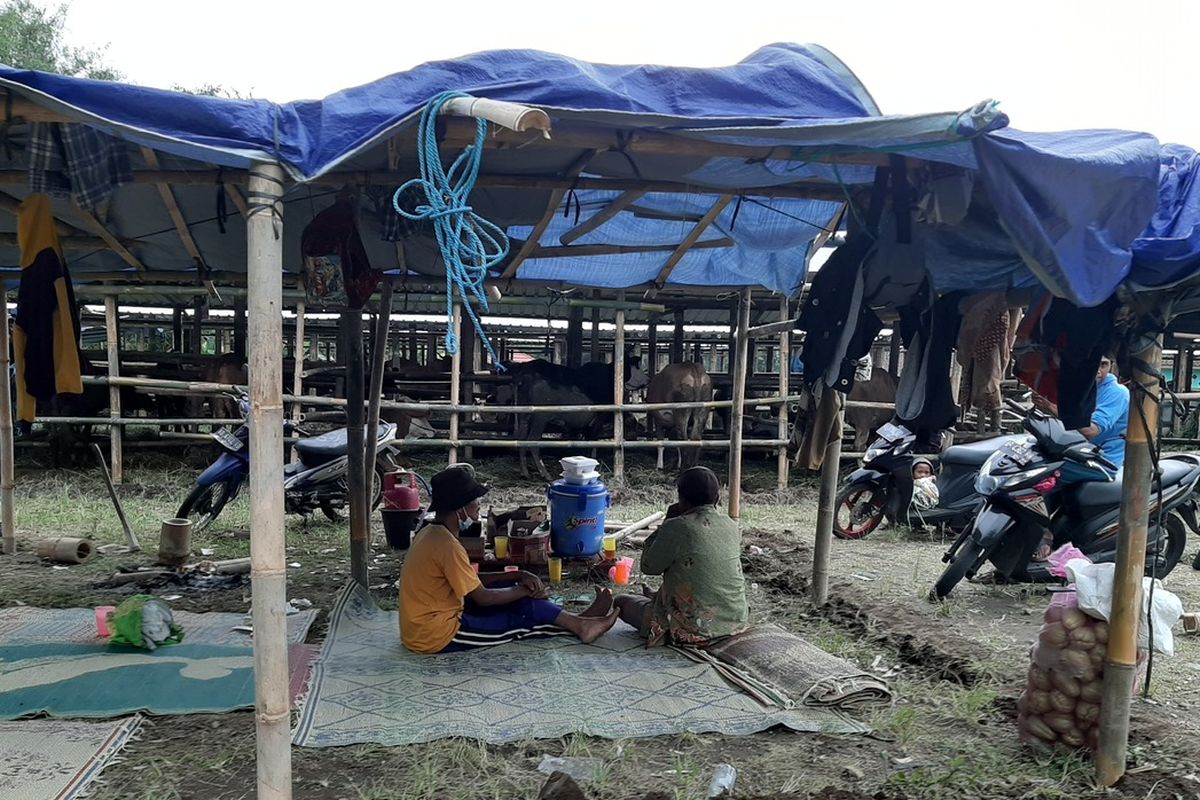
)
(577, 517)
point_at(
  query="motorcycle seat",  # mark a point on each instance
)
(973, 454)
(319, 449)
(1093, 494)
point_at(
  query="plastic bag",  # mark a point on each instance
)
(1094, 587)
(144, 621)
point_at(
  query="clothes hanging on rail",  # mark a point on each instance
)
(77, 161)
(46, 324)
(985, 341)
(924, 400)
(331, 242)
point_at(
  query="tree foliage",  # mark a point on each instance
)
(31, 37)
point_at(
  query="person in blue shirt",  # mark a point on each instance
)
(1107, 430)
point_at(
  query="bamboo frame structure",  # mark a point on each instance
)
(8, 526)
(826, 510)
(298, 359)
(455, 379)
(619, 394)
(113, 340)
(375, 394)
(782, 462)
(358, 483)
(268, 556)
(742, 341)
(1120, 664)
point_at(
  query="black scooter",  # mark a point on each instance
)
(883, 487)
(1009, 527)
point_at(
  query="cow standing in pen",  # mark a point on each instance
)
(680, 383)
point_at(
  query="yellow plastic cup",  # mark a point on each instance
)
(610, 548)
(555, 565)
(501, 547)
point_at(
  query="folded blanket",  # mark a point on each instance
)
(780, 669)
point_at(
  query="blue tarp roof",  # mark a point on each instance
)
(1071, 204)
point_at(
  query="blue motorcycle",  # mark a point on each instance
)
(316, 481)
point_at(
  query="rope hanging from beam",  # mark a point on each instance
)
(471, 246)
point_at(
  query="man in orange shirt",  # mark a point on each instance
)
(446, 607)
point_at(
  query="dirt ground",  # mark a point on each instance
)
(956, 667)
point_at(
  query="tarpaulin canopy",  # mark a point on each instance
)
(789, 132)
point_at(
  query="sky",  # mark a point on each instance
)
(1053, 64)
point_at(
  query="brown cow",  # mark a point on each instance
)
(680, 383)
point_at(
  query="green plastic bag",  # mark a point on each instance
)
(126, 623)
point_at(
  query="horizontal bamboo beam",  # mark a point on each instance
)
(69, 241)
(150, 422)
(623, 249)
(772, 328)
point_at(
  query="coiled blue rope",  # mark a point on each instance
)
(471, 246)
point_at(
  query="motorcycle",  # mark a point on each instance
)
(883, 487)
(316, 481)
(1023, 497)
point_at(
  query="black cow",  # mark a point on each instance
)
(542, 383)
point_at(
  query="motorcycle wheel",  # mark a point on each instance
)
(965, 559)
(340, 512)
(203, 504)
(850, 504)
(1172, 549)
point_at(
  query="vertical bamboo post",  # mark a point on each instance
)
(893, 365)
(596, 329)
(177, 330)
(677, 353)
(785, 367)
(197, 343)
(741, 341)
(619, 394)
(455, 380)
(239, 329)
(474, 367)
(7, 521)
(356, 468)
(112, 337)
(298, 360)
(268, 567)
(1121, 661)
(378, 364)
(826, 509)
(652, 347)
(574, 336)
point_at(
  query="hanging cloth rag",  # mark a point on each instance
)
(985, 341)
(77, 161)
(924, 401)
(823, 425)
(330, 242)
(46, 324)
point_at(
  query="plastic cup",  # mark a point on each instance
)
(502, 547)
(512, 568)
(102, 613)
(610, 548)
(621, 573)
(555, 566)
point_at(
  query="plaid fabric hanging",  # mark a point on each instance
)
(76, 160)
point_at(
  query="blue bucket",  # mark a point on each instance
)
(577, 517)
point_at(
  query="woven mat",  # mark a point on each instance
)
(52, 759)
(30, 625)
(781, 669)
(367, 688)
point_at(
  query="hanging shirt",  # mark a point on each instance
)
(46, 324)
(703, 594)
(1112, 418)
(435, 579)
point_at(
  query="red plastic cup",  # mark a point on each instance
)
(102, 613)
(621, 573)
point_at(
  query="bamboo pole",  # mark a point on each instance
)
(645, 522)
(619, 394)
(298, 360)
(455, 376)
(782, 462)
(742, 341)
(356, 468)
(112, 336)
(1121, 661)
(264, 272)
(177, 329)
(677, 356)
(595, 327)
(826, 510)
(8, 526)
(375, 395)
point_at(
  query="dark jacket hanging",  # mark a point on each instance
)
(46, 323)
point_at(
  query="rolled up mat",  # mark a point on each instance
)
(67, 549)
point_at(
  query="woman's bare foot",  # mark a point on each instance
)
(592, 628)
(601, 605)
